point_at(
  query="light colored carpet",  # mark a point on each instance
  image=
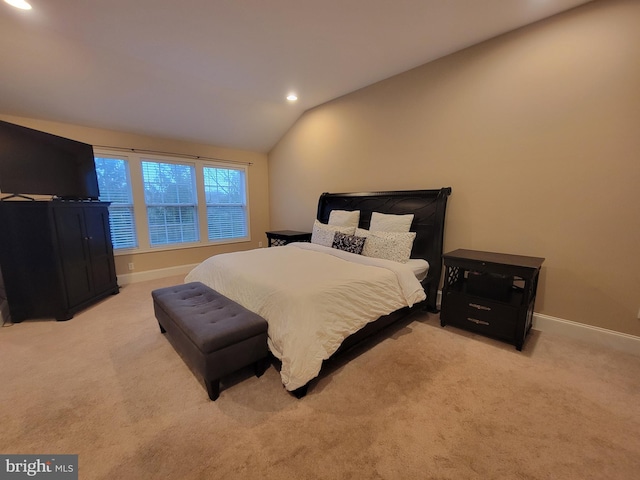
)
(420, 402)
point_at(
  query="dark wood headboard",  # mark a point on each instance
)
(428, 207)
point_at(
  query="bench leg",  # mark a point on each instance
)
(261, 366)
(213, 389)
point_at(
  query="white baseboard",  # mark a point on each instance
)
(587, 333)
(136, 277)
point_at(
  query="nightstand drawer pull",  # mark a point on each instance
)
(477, 322)
(480, 307)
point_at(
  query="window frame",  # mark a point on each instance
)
(135, 160)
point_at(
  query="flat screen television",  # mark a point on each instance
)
(38, 163)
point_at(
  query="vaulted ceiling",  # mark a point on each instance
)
(218, 71)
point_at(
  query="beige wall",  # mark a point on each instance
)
(537, 132)
(258, 188)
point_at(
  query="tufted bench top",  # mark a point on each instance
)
(211, 320)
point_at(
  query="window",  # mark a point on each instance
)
(115, 187)
(226, 201)
(165, 202)
(170, 196)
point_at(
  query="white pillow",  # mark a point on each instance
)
(394, 246)
(344, 218)
(323, 234)
(382, 222)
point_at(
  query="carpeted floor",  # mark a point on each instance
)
(420, 401)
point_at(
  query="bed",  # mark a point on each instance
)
(318, 298)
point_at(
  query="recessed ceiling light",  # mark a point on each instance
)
(21, 4)
(292, 97)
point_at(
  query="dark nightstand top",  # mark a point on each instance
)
(495, 258)
(287, 233)
(282, 237)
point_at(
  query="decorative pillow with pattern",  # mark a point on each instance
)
(394, 246)
(348, 243)
(383, 222)
(344, 218)
(323, 234)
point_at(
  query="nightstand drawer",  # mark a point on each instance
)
(479, 315)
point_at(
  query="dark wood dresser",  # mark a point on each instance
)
(56, 257)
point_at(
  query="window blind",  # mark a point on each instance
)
(115, 187)
(226, 202)
(170, 196)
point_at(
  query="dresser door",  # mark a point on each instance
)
(74, 254)
(102, 268)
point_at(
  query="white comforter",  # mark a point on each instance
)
(312, 297)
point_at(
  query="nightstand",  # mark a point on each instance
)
(282, 237)
(490, 293)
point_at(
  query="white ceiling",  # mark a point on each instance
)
(218, 71)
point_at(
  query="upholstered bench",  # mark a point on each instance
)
(213, 334)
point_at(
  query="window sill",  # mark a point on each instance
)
(181, 246)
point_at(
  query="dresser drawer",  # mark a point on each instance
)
(479, 315)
